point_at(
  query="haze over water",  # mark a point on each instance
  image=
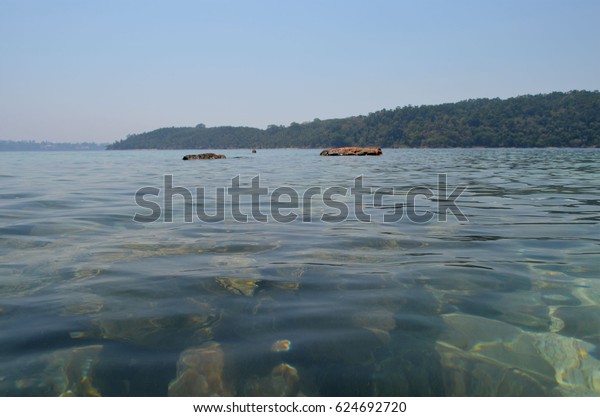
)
(506, 303)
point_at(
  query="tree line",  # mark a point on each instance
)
(570, 119)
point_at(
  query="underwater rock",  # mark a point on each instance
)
(466, 331)
(239, 275)
(83, 304)
(378, 321)
(411, 368)
(469, 280)
(523, 309)
(203, 321)
(282, 382)
(239, 286)
(478, 353)
(233, 262)
(576, 371)
(283, 345)
(66, 372)
(351, 151)
(468, 374)
(74, 369)
(140, 331)
(154, 328)
(497, 341)
(582, 322)
(587, 291)
(200, 373)
(284, 285)
(209, 155)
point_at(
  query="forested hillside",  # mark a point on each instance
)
(557, 119)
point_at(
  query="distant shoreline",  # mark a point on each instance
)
(554, 120)
(44, 146)
(570, 119)
(290, 148)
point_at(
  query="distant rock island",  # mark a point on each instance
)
(570, 119)
(351, 151)
(204, 156)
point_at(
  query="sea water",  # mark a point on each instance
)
(418, 272)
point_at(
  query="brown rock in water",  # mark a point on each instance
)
(209, 155)
(351, 151)
(76, 369)
(253, 150)
(200, 373)
(282, 382)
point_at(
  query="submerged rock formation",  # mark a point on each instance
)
(200, 373)
(351, 151)
(204, 156)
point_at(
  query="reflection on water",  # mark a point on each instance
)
(508, 303)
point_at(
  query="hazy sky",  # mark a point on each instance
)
(99, 70)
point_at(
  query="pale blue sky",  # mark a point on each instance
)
(98, 70)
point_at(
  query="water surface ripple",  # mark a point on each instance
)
(506, 303)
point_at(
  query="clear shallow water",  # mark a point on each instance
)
(507, 303)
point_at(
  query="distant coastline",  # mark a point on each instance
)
(570, 119)
(554, 120)
(33, 146)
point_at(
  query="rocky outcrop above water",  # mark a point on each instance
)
(204, 156)
(351, 151)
